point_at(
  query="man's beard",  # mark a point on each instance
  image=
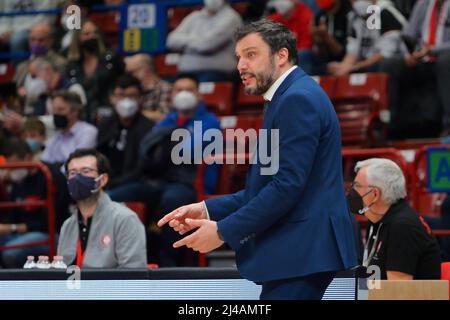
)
(263, 81)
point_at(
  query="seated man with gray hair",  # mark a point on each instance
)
(399, 241)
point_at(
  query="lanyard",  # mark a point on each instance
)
(80, 254)
(368, 255)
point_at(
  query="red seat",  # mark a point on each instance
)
(218, 96)
(6, 73)
(139, 208)
(328, 84)
(360, 101)
(249, 103)
(167, 64)
(239, 122)
(240, 7)
(109, 24)
(176, 14)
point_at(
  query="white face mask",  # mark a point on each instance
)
(185, 100)
(34, 87)
(361, 6)
(283, 6)
(18, 175)
(127, 108)
(214, 5)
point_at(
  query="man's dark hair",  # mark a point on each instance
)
(16, 146)
(275, 34)
(72, 98)
(102, 162)
(34, 124)
(126, 81)
(190, 76)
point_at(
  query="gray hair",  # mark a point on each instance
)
(386, 175)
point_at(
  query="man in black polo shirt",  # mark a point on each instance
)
(399, 241)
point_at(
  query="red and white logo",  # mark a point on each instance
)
(106, 240)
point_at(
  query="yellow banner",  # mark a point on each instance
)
(132, 40)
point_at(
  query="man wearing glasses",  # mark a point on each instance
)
(399, 241)
(101, 233)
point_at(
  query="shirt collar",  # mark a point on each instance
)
(273, 88)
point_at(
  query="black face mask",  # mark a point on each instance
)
(355, 202)
(90, 45)
(60, 121)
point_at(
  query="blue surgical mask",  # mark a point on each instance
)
(82, 187)
(35, 145)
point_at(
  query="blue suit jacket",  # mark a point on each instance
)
(296, 222)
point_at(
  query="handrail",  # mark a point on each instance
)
(48, 203)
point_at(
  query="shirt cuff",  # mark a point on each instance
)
(206, 209)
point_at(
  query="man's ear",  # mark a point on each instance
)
(104, 180)
(377, 194)
(283, 56)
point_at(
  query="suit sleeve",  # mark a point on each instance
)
(299, 125)
(219, 208)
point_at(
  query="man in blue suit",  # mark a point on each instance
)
(291, 230)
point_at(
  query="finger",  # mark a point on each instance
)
(186, 241)
(194, 223)
(174, 223)
(170, 216)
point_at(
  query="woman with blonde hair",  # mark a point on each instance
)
(94, 66)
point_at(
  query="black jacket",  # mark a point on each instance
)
(108, 135)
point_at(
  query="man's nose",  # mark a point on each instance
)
(242, 65)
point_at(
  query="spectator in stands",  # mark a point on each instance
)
(367, 47)
(205, 39)
(120, 135)
(171, 185)
(329, 35)
(405, 6)
(399, 241)
(156, 91)
(94, 67)
(299, 19)
(41, 43)
(42, 81)
(426, 60)
(15, 30)
(27, 224)
(101, 233)
(64, 34)
(33, 132)
(72, 133)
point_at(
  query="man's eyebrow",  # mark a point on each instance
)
(247, 49)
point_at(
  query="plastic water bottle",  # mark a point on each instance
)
(58, 263)
(30, 264)
(43, 263)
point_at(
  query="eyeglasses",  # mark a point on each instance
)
(86, 171)
(357, 185)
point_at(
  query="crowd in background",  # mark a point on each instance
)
(77, 91)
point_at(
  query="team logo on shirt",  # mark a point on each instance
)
(106, 240)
